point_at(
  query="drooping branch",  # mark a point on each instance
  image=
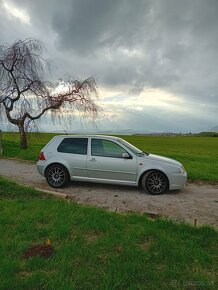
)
(26, 97)
(74, 93)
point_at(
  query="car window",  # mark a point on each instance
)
(73, 146)
(106, 148)
(132, 148)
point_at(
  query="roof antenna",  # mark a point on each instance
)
(64, 130)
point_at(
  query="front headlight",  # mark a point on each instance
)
(182, 170)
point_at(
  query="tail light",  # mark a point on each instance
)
(41, 156)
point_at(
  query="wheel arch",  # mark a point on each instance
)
(56, 163)
(149, 170)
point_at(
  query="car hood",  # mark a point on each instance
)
(163, 159)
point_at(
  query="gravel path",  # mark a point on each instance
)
(196, 201)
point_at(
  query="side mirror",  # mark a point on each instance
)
(125, 156)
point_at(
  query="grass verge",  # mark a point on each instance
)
(95, 249)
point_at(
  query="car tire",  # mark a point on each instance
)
(155, 182)
(57, 176)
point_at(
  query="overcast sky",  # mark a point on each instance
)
(155, 61)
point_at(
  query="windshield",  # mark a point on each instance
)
(132, 148)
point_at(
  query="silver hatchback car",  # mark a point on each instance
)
(107, 159)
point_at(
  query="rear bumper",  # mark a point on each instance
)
(178, 181)
(41, 167)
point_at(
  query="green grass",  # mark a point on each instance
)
(11, 145)
(95, 249)
(199, 155)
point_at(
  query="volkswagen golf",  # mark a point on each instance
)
(107, 159)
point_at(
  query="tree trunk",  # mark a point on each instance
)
(23, 137)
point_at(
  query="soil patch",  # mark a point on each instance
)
(44, 251)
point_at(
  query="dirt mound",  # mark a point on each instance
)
(44, 251)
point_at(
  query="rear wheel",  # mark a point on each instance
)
(57, 176)
(155, 182)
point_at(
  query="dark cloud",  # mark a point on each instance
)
(129, 45)
(90, 26)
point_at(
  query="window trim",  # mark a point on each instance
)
(130, 156)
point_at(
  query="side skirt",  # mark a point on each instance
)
(106, 181)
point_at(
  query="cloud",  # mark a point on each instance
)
(13, 12)
(132, 47)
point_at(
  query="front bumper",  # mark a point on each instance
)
(178, 181)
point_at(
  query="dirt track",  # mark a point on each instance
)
(196, 201)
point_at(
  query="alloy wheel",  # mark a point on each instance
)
(156, 182)
(56, 176)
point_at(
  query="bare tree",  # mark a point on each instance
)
(26, 97)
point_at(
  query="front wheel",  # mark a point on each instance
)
(155, 182)
(57, 176)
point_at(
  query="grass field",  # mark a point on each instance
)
(199, 155)
(95, 249)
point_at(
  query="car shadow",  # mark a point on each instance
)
(113, 187)
(93, 185)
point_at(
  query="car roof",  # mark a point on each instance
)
(90, 136)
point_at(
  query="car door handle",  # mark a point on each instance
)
(93, 160)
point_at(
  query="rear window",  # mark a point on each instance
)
(73, 146)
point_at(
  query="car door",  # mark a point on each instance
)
(105, 161)
(74, 152)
